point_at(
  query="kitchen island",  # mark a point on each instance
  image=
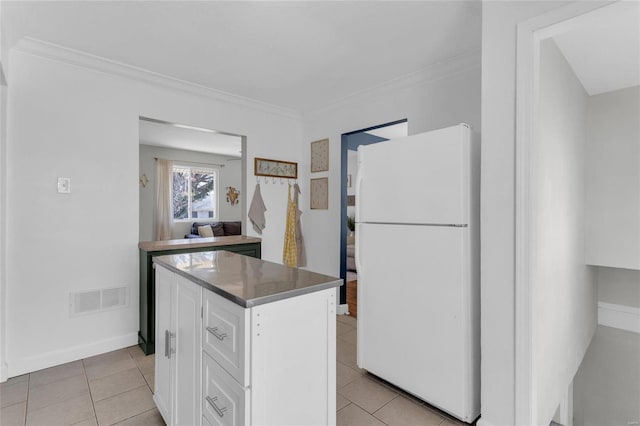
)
(243, 341)
(249, 246)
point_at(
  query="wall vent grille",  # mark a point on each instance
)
(94, 301)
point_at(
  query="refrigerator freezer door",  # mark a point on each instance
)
(414, 326)
(422, 178)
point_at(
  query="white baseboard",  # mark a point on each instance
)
(619, 316)
(482, 422)
(52, 358)
(342, 310)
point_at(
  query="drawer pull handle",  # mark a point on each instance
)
(214, 331)
(218, 410)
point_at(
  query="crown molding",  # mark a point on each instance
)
(432, 73)
(82, 59)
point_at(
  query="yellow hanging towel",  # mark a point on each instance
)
(290, 251)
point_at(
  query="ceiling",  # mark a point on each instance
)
(176, 136)
(297, 55)
(302, 55)
(603, 48)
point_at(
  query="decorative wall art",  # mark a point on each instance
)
(144, 180)
(320, 156)
(319, 197)
(275, 168)
(233, 195)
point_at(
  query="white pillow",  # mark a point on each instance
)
(205, 231)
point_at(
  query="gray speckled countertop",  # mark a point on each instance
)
(245, 280)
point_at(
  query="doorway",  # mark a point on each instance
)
(577, 164)
(348, 160)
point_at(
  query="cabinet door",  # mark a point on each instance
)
(187, 378)
(162, 390)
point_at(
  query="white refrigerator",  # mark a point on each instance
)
(418, 263)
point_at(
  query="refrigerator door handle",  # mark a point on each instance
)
(357, 250)
(359, 178)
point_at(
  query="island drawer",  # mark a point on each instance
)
(225, 402)
(225, 337)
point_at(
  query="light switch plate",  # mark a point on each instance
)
(64, 185)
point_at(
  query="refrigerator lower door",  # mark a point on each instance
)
(414, 313)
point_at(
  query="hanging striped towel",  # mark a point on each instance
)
(302, 256)
(290, 251)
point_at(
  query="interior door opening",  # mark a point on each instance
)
(348, 160)
(215, 160)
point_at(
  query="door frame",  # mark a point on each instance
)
(530, 33)
(344, 148)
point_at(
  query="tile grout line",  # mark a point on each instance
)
(384, 405)
(143, 377)
(26, 403)
(365, 410)
(130, 417)
(350, 402)
(118, 394)
(86, 378)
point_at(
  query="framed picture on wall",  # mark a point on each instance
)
(320, 156)
(275, 168)
(319, 198)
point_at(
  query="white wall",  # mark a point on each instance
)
(606, 388)
(499, 24)
(619, 286)
(449, 95)
(67, 120)
(3, 169)
(4, 42)
(613, 179)
(229, 175)
(564, 292)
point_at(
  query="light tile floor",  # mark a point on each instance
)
(112, 388)
(116, 389)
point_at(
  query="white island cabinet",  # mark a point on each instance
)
(241, 341)
(177, 375)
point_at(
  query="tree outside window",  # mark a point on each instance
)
(194, 193)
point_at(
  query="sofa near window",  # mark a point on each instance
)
(217, 229)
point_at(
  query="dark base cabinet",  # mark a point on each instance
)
(146, 334)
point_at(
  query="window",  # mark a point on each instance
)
(195, 194)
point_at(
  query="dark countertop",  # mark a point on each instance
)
(245, 280)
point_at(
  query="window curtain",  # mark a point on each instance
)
(164, 214)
